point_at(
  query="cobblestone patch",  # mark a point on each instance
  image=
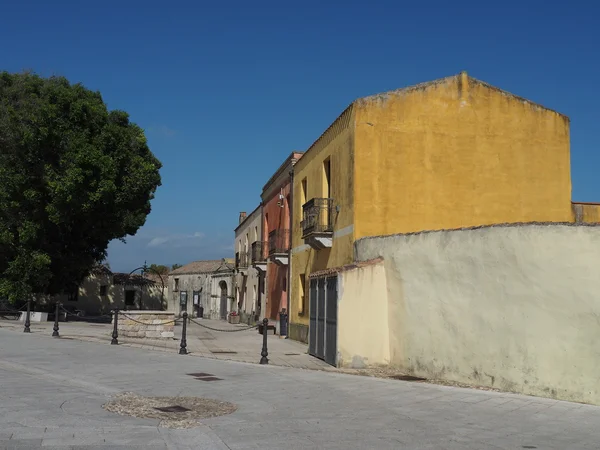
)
(186, 412)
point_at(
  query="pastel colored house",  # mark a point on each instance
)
(447, 154)
(249, 278)
(276, 237)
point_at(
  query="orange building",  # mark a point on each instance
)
(276, 201)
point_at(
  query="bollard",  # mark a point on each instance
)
(27, 321)
(55, 332)
(265, 353)
(182, 347)
(115, 334)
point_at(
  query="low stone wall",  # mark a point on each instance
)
(146, 324)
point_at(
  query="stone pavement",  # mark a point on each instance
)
(52, 392)
(231, 344)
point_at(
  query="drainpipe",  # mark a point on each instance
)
(289, 283)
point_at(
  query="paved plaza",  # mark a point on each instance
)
(231, 342)
(52, 392)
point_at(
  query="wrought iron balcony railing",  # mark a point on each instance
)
(258, 252)
(279, 241)
(241, 260)
(317, 216)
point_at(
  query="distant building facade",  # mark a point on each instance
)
(203, 288)
(249, 278)
(103, 291)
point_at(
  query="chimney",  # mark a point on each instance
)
(242, 216)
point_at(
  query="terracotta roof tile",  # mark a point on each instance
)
(204, 266)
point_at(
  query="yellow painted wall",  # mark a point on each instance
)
(456, 153)
(586, 213)
(337, 144)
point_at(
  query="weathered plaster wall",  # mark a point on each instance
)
(276, 217)
(92, 303)
(586, 212)
(337, 143)
(247, 279)
(456, 153)
(363, 331)
(512, 307)
(207, 284)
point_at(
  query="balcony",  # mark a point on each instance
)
(317, 223)
(241, 261)
(279, 246)
(259, 258)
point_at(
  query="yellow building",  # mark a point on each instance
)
(446, 154)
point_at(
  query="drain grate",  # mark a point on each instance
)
(292, 354)
(209, 379)
(407, 378)
(200, 374)
(172, 409)
(223, 352)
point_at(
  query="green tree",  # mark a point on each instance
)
(158, 268)
(176, 266)
(73, 177)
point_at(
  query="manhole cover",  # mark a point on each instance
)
(200, 374)
(179, 412)
(208, 378)
(172, 409)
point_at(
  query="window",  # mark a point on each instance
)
(176, 288)
(103, 289)
(304, 192)
(255, 234)
(327, 178)
(129, 298)
(301, 307)
(183, 298)
(73, 296)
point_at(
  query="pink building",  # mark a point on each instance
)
(276, 212)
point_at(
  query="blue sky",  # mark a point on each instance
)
(225, 90)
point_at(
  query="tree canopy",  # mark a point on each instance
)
(159, 268)
(73, 177)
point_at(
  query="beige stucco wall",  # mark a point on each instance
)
(208, 289)
(247, 286)
(516, 308)
(92, 303)
(363, 332)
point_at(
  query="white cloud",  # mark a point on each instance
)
(175, 240)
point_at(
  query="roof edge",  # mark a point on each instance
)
(248, 217)
(290, 159)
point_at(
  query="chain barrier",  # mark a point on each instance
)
(146, 323)
(7, 309)
(224, 331)
(85, 318)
